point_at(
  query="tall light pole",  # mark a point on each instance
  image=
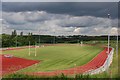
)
(39, 28)
(117, 44)
(108, 44)
(29, 34)
(54, 37)
(117, 50)
(108, 35)
(39, 37)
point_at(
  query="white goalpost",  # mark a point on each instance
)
(35, 49)
(29, 48)
(35, 53)
(81, 43)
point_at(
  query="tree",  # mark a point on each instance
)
(6, 40)
(21, 33)
(14, 33)
(30, 38)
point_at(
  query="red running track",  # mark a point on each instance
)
(10, 65)
(95, 63)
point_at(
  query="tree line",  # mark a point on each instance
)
(23, 40)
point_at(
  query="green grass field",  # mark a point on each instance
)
(57, 57)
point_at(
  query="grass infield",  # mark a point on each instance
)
(57, 57)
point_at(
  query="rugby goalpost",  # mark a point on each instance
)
(35, 51)
(29, 48)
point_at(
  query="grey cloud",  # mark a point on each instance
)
(14, 18)
(60, 1)
(58, 23)
(20, 18)
(98, 9)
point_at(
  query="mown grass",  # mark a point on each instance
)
(57, 57)
(113, 70)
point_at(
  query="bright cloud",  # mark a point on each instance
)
(59, 24)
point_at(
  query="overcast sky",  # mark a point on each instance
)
(60, 0)
(65, 18)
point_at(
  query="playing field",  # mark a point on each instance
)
(57, 57)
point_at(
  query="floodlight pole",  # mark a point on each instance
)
(117, 44)
(108, 35)
(108, 44)
(39, 37)
(29, 41)
(54, 37)
(117, 49)
(39, 34)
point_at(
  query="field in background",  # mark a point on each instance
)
(57, 57)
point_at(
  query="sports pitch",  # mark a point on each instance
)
(57, 57)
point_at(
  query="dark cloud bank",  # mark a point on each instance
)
(98, 9)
